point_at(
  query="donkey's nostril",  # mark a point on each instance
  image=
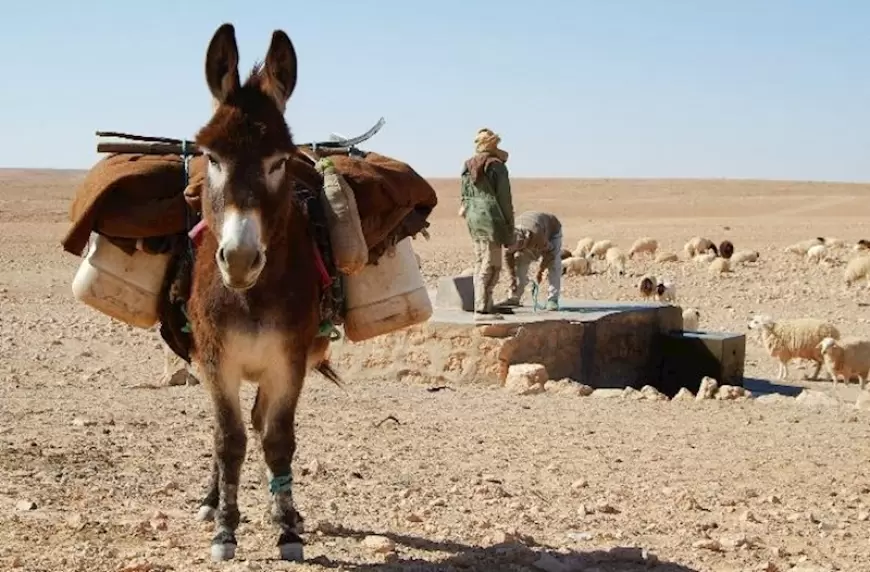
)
(222, 255)
(258, 259)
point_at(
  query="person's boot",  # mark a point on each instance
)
(552, 305)
(510, 302)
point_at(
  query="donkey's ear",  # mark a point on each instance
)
(222, 63)
(280, 69)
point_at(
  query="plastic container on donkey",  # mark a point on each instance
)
(386, 297)
(123, 286)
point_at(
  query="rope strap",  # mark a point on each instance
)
(281, 484)
(535, 296)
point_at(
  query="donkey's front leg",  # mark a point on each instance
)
(229, 450)
(279, 400)
(209, 504)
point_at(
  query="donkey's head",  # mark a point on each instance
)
(248, 144)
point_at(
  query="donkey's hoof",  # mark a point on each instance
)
(205, 513)
(221, 552)
(290, 547)
(291, 551)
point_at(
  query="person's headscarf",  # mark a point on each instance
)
(486, 141)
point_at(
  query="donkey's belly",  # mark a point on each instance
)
(262, 356)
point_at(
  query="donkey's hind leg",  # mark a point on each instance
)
(229, 450)
(278, 402)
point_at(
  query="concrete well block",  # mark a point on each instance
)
(455, 293)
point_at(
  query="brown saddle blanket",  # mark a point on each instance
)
(138, 196)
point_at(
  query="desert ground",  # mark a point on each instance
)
(102, 469)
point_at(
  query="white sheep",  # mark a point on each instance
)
(856, 269)
(691, 319)
(647, 286)
(666, 291)
(861, 245)
(846, 357)
(803, 246)
(645, 244)
(697, 245)
(719, 266)
(600, 248)
(744, 256)
(663, 257)
(705, 257)
(793, 339)
(615, 260)
(832, 242)
(816, 253)
(584, 247)
(576, 266)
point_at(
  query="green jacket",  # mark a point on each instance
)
(486, 197)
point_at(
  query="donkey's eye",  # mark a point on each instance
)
(279, 164)
(212, 161)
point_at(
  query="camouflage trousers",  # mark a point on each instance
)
(487, 267)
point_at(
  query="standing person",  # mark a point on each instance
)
(537, 235)
(487, 206)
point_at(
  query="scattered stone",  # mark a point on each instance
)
(708, 544)
(607, 393)
(863, 516)
(772, 398)
(25, 505)
(526, 378)
(568, 387)
(684, 395)
(748, 516)
(605, 508)
(633, 554)
(82, 422)
(580, 536)
(651, 393)
(815, 398)
(314, 468)
(379, 544)
(731, 392)
(584, 510)
(501, 537)
(707, 389)
(579, 484)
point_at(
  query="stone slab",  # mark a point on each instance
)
(600, 343)
(455, 293)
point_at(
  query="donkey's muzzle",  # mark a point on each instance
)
(240, 267)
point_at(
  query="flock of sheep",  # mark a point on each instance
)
(810, 339)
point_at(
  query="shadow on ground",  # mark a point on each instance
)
(764, 387)
(509, 556)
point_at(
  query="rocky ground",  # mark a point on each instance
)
(101, 470)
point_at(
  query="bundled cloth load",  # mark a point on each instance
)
(145, 200)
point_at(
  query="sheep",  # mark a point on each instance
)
(793, 339)
(862, 244)
(584, 246)
(726, 249)
(647, 286)
(666, 291)
(744, 256)
(565, 254)
(856, 269)
(719, 266)
(705, 257)
(816, 253)
(832, 242)
(804, 245)
(663, 257)
(576, 266)
(691, 319)
(697, 245)
(846, 357)
(615, 260)
(645, 244)
(600, 248)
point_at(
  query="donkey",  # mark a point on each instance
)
(254, 304)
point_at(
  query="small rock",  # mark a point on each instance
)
(730, 393)
(584, 510)
(631, 393)
(747, 516)
(684, 395)
(863, 516)
(815, 398)
(25, 505)
(414, 517)
(708, 544)
(863, 401)
(568, 387)
(580, 536)
(772, 398)
(314, 468)
(605, 508)
(579, 484)
(526, 378)
(379, 544)
(82, 422)
(607, 393)
(707, 389)
(651, 393)
(502, 537)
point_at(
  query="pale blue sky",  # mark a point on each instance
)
(608, 88)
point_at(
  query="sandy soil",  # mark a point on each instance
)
(100, 471)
